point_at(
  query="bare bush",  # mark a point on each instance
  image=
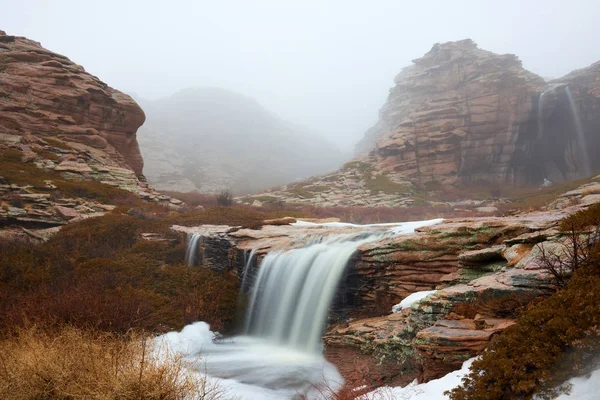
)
(572, 253)
(225, 198)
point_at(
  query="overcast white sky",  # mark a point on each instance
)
(326, 64)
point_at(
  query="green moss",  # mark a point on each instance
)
(55, 142)
(359, 166)
(382, 183)
(20, 173)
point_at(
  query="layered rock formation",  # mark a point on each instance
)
(219, 139)
(463, 116)
(68, 142)
(45, 94)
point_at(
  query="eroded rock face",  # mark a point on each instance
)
(45, 94)
(463, 114)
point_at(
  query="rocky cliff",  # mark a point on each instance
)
(47, 95)
(223, 140)
(68, 146)
(464, 116)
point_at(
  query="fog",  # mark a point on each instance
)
(325, 64)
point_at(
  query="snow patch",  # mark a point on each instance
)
(584, 388)
(432, 390)
(412, 299)
(399, 228)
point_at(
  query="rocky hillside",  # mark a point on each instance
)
(460, 116)
(209, 139)
(68, 144)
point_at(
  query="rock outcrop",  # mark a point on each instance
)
(47, 95)
(463, 114)
(68, 147)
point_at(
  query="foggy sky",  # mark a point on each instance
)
(325, 64)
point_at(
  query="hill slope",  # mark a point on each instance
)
(210, 139)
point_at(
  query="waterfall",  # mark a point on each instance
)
(194, 240)
(279, 355)
(540, 116)
(581, 141)
(247, 267)
(293, 290)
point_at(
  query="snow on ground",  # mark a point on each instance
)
(432, 390)
(583, 388)
(399, 228)
(412, 299)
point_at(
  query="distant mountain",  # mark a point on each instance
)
(208, 139)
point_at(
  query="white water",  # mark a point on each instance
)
(581, 140)
(279, 356)
(294, 289)
(540, 121)
(194, 239)
(247, 267)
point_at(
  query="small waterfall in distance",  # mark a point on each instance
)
(191, 251)
(581, 140)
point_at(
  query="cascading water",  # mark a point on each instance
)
(245, 272)
(540, 116)
(194, 240)
(279, 356)
(581, 140)
(293, 291)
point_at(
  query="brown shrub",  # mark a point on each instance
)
(224, 198)
(99, 274)
(75, 364)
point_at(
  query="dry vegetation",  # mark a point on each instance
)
(83, 365)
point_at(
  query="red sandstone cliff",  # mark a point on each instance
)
(45, 94)
(463, 114)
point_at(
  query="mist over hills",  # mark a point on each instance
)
(208, 139)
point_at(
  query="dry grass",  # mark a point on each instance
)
(74, 364)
